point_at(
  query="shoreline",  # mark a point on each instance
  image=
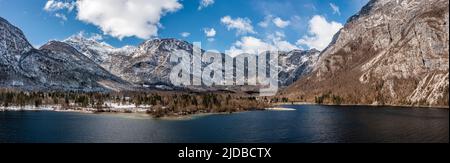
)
(367, 105)
(146, 113)
(138, 113)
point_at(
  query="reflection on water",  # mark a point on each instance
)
(307, 124)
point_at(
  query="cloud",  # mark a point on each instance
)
(321, 33)
(242, 25)
(91, 36)
(205, 3)
(280, 34)
(125, 18)
(53, 5)
(335, 9)
(210, 32)
(185, 34)
(249, 45)
(277, 21)
(310, 6)
(279, 43)
(298, 23)
(96, 36)
(61, 16)
(252, 45)
(266, 22)
(280, 23)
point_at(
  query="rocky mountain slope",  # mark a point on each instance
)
(55, 66)
(296, 64)
(101, 53)
(148, 64)
(12, 45)
(393, 52)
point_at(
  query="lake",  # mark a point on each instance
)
(306, 124)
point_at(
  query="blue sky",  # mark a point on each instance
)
(238, 24)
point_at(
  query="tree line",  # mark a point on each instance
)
(157, 103)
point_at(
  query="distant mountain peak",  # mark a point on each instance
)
(55, 43)
(81, 40)
(167, 44)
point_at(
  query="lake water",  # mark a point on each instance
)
(307, 124)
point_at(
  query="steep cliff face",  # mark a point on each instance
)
(393, 52)
(55, 66)
(296, 64)
(12, 42)
(61, 67)
(12, 45)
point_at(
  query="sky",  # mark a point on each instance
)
(232, 26)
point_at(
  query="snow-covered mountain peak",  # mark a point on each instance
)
(165, 44)
(99, 52)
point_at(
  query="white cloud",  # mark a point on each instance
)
(53, 5)
(205, 3)
(252, 45)
(96, 36)
(242, 25)
(335, 9)
(185, 34)
(61, 16)
(266, 22)
(249, 45)
(277, 21)
(277, 40)
(125, 18)
(210, 32)
(91, 36)
(280, 23)
(321, 33)
(280, 34)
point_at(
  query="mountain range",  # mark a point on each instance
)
(83, 64)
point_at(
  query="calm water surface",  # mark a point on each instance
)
(307, 124)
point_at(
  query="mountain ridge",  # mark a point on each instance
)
(151, 60)
(54, 67)
(390, 53)
(143, 66)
